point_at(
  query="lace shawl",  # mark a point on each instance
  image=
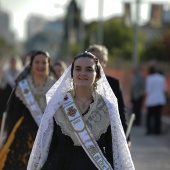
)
(97, 120)
(121, 154)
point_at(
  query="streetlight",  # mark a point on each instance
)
(100, 20)
(136, 31)
(81, 27)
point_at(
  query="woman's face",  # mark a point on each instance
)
(40, 65)
(84, 73)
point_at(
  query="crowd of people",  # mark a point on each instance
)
(58, 117)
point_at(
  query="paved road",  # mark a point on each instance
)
(150, 152)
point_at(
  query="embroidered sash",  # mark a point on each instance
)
(31, 103)
(83, 134)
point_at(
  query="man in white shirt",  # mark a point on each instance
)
(156, 90)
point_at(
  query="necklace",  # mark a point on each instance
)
(39, 86)
(83, 105)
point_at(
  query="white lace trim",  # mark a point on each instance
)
(97, 120)
(39, 95)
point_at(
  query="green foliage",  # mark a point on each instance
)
(3, 43)
(117, 38)
(6, 48)
(73, 48)
(115, 34)
(166, 42)
(154, 50)
(91, 34)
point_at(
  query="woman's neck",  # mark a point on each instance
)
(83, 98)
(39, 81)
(83, 93)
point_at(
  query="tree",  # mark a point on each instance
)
(166, 42)
(117, 38)
(154, 50)
(6, 48)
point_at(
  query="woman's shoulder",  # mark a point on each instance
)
(99, 98)
(19, 94)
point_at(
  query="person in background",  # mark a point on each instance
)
(7, 81)
(101, 52)
(59, 68)
(137, 94)
(27, 57)
(24, 112)
(156, 91)
(81, 128)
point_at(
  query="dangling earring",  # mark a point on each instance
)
(74, 88)
(95, 86)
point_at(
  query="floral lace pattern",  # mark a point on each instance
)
(97, 120)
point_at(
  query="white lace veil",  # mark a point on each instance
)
(121, 155)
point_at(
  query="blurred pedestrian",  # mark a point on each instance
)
(59, 68)
(156, 90)
(27, 57)
(10, 71)
(80, 120)
(24, 112)
(137, 94)
(101, 52)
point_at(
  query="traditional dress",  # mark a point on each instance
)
(21, 127)
(66, 152)
(60, 146)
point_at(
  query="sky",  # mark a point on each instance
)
(20, 10)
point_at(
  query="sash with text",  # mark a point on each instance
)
(31, 103)
(83, 134)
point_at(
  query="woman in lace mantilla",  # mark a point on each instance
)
(20, 125)
(82, 90)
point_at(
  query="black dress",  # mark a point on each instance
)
(4, 95)
(65, 156)
(21, 129)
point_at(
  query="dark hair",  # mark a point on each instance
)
(61, 64)
(101, 49)
(152, 70)
(35, 53)
(27, 69)
(89, 55)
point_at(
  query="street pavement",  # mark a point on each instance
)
(150, 152)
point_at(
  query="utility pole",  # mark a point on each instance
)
(100, 20)
(81, 27)
(136, 36)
